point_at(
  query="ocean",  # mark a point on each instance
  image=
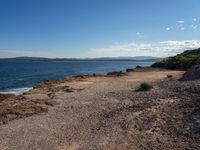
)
(18, 77)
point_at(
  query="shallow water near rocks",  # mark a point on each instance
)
(19, 77)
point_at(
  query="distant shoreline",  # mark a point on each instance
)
(135, 59)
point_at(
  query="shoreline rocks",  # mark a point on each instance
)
(192, 73)
(5, 96)
(115, 73)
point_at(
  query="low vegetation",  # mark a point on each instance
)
(169, 76)
(181, 61)
(144, 87)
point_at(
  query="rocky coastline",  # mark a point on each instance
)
(104, 112)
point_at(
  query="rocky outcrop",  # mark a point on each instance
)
(115, 73)
(192, 73)
(5, 96)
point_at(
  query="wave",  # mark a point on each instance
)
(16, 91)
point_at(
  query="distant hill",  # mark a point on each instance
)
(138, 58)
(181, 61)
(25, 59)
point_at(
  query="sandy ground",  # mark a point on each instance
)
(103, 113)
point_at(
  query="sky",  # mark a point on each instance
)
(98, 28)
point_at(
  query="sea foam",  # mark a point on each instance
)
(16, 91)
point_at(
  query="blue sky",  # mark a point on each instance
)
(98, 28)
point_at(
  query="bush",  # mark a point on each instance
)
(181, 61)
(169, 76)
(144, 87)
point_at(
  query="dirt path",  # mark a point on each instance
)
(94, 113)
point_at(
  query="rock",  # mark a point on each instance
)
(115, 73)
(5, 96)
(36, 96)
(79, 76)
(97, 75)
(138, 66)
(134, 69)
(130, 70)
(192, 73)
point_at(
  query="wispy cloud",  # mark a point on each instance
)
(140, 34)
(180, 21)
(168, 28)
(161, 49)
(181, 45)
(5, 53)
(195, 19)
(194, 26)
(15, 51)
(182, 25)
(182, 28)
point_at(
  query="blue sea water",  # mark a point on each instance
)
(17, 77)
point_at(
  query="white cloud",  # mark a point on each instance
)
(180, 21)
(182, 25)
(140, 35)
(161, 49)
(168, 28)
(194, 26)
(182, 28)
(194, 19)
(174, 47)
(185, 44)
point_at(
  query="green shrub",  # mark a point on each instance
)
(144, 87)
(169, 76)
(181, 61)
